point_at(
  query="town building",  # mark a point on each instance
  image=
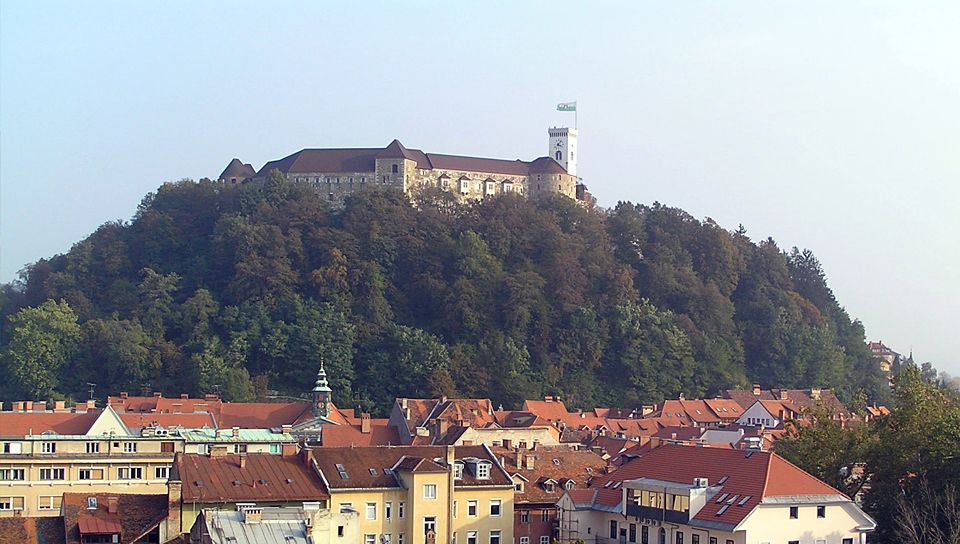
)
(337, 173)
(684, 494)
(540, 478)
(421, 494)
(252, 524)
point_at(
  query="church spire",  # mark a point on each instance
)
(322, 394)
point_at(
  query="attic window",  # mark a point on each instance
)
(589, 470)
(608, 484)
(264, 482)
(373, 472)
(388, 471)
(733, 499)
(734, 409)
(236, 482)
(91, 503)
(289, 480)
(568, 484)
(342, 471)
(722, 510)
(722, 480)
(723, 498)
(556, 462)
(744, 500)
(615, 486)
(198, 483)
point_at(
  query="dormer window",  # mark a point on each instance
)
(458, 471)
(568, 485)
(483, 471)
(549, 487)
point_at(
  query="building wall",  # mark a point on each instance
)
(102, 471)
(773, 523)
(540, 522)
(522, 437)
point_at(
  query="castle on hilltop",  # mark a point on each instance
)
(336, 173)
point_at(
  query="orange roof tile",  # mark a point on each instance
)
(381, 434)
(25, 423)
(266, 477)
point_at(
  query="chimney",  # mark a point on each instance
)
(60, 407)
(756, 389)
(403, 403)
(530, 461)
(557, 398)
(519, 459)
(507, 443)
(443, 398)
(112, 505)
(288, 450)
(18, 406)
(468, 442)
(306, 455)
(218, 450)
(28, 406)
(217, 433)
(548, 399)
(174, 497)
(157, 394)
(243, 462)
(236, 432)
(211, 398)
(286, 429)
(252, 515)
(365, 423)
(451, 455)
(123, 395)
(442, 426)
(815, 394)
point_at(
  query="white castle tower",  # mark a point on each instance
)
(563, 148)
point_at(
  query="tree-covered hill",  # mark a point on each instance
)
(241, 290)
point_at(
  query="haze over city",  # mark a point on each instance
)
(832, 127)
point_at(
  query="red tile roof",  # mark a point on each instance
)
(254, 415)
(381, 434)
(187, 421)
(135, 514)
(38, 530)
(556, 463)
(25, 423)
(265, 477)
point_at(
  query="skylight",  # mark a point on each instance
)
(556, 461)
(342, 471)
(723, 509)
(608, 484)
(373, 472)
(722, 480)
(723, 498)
(733, 499)
(589, 470)
(744, 500)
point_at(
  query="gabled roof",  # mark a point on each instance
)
(135, 514)
(186, 421)
(38, 530)
(396, 150)
(237, 169)
(381, 434)
(263, 415)
(35, 423)
(725, 409)
(519, 418)
(265, 477)
(477, 413)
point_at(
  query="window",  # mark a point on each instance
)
(429, 491)
(161, 473)
(472, 509)
(821, 511)
(464, 186)
(329, 197)
(519, 487)
(400, 538)
(454, 509)
(400, 509)
(524, 540)
(11, 447)
(645, 535)
(388, 511)
(386, 538)
(545, 515)
(239, 448)
(275, 449)
(91, 473)
(713, 540)
(793, 542)
(680, 537)
(471, 537)
(794, 512)
(495, 508)
(847, 541)
(613, 528)
(129, 447)
(93, 447)
(458, 471)
(694, 538)
(91, 503)
(429, 524)
(11, 503)
(494, 537)
(12, 474)
(48, 447)
(49, 502)
(130, 473)
(363, 180)
(346, 507)
(633, 532)
(371, 510)
(52, 474)
(524, 516)
(369, 539)
(544, 539)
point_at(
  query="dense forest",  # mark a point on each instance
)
(241, 290)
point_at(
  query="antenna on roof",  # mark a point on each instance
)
(145, 389)
(92, 386)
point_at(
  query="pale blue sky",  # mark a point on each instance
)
(829, 126)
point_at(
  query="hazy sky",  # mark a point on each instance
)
(831, 126)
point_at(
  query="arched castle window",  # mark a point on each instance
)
(395, 169)
(559, 154)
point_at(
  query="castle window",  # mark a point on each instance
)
(363, 180)
(338, 179)
(330, 197)
(351, 180)
(328, 180)
(396, 169)
(559, 155)
(384, 179)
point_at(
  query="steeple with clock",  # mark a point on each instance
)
(563, 148)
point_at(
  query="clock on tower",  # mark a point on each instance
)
(563, 148)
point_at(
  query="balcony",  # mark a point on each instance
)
(648, 512)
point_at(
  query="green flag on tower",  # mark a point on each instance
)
(567, 106)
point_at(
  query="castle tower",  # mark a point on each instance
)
(322, 394)
(563, 148)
